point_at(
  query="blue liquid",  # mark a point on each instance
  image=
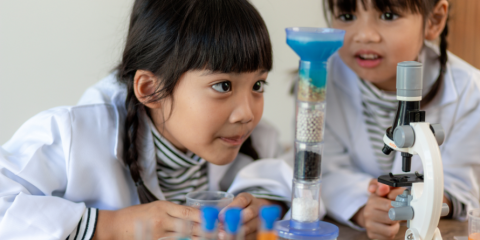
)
(316, 73)
(317, 53)
(314, 50)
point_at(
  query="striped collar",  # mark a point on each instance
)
(169, 156)
(372, 91)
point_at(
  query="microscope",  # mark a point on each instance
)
(422, 206)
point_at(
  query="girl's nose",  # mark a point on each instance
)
(242, 112)
(366, 33)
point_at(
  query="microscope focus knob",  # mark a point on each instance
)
(403, 136)
(401, 213)
(439, 133)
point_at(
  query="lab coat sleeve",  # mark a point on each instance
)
(344, 185)
(33, 177)
(460, 154)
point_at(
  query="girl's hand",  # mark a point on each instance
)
(164, 217)
(374, 215)
(251, 207)
(383, 190)
(374, 218)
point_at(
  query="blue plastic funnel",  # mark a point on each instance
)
(314, 46)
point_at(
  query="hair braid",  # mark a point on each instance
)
(130, 151)
(443, 58)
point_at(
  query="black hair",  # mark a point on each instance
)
(171, 37)
(423, 7)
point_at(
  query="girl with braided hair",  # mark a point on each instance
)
(180, 113)
(362, 105)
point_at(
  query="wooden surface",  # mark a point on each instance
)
(448, 228)
(464, 30)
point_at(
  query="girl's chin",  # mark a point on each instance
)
(222, 159)
(374, 76)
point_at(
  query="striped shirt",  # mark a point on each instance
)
(379, 109)
(178, 173)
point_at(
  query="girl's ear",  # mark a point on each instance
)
(144, 86)
(436, 20)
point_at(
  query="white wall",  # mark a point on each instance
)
(52, 50)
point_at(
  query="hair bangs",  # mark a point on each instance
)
(224, 36)
(349, 6)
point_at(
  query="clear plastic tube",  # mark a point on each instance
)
(314, 46)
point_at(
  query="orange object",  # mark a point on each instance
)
(268, 236)
(474, 236)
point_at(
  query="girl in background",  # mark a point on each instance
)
(362, 105)
(186, 98)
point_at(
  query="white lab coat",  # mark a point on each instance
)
(349, 162)
(67, 159)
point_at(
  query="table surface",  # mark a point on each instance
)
(449, 228)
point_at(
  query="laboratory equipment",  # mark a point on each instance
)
(209, 198)
(314, 46)
(209, 217)
(422, 206)
(233, 221)
(268, 216)
(474, 224)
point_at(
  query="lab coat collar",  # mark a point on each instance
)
(147, 157)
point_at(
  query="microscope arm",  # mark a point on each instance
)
(427, 199)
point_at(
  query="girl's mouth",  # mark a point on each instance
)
(234, 141)
(368, 59)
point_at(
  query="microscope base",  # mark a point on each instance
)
(412, 234)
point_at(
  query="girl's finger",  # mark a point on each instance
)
(382, 231)
(250, 213)
(380, 203)
(382, 189)
(184, 212)
(372, 186)
(242, 200)
(250, 226)
(395, 192)
(196, 230)
(381, 217)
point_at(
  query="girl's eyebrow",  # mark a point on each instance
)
(210, 72)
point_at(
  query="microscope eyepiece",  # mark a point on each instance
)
(409, 88)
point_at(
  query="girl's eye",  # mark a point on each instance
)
(222, 87)
(259, 86)
(389, 16)
(346, 17)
